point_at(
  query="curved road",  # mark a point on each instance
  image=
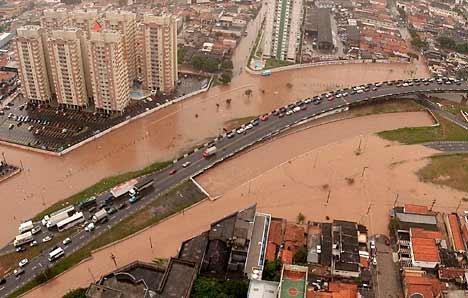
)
(164, 180)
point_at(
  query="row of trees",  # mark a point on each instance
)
(210, 287)
(212, 64)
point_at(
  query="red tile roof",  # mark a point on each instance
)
(422, 233)
(427, 286)
(364, 262)
(416, 209)
(425, 250)
(456, 233)
(271, 251)
(275, 235)
(286, 257)
(450, 273)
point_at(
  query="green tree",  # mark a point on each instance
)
(272, 270)
(205, 63)
(210, 287)
(300, 257)
(181, 54)
(300, 218)
(227, 64)
(226, 77)
(393, 226)
(76, 293)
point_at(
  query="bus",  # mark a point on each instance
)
(55, 254)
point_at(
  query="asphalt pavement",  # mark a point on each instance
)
(449, 146)
(227, 147)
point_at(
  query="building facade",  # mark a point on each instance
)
(108, 70)
(65, 50)
(157, 57)
(282, 33)
(54, 19)
(32, 63)
(125, 23)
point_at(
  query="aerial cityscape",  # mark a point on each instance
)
(234, 149)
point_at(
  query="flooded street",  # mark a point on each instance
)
(291, 180)
(166, 133)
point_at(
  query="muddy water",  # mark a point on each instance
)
(287, 189)
(164, 134)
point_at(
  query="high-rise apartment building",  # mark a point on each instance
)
(55, 19)
(125, 23)
(32, 63)
(108, 70)
(66, 51)
(87, 21)
(282, 33)
(157, 45)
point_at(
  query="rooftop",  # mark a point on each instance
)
(425, 250)
(422, 233)
(416, 209)
(256, 254)
(263, 289)
(194, 249)
(417, 218)
(457, 239)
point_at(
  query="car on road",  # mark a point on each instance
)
(18, 272)
(281, 115)
(23, 262)
(249, 126)
(372, 244)
(34, 243)
(240, 130)
(11, 126)
(374, 261)
(36, 230)
(2, 281)
(303, 107)
(296, 109)
(110, 210)
(264, 117)
(230, 135)
(173, 171)
(47, 238)
(90, 227)
(186, 164)
(289, 112)
(122, 206)
(20, 249)
(66, 241)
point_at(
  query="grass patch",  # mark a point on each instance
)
(388, 106)
(274, 63)
(449, 170)
(101, 186)
(234, 123)
(171, 202)
(447, 131)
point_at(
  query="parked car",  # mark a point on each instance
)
(34, 243)
(173, 171)
(2, 281)
(110, 210)
(18, 272)
(90, 227)
(186, 164)
(66, 241)
(23, 262)
(47, 238)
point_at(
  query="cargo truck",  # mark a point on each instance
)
(124, 188)
(135, 192)
(25, 227)
(100, 216)
(23, 239)
(210, 151)
(67, 210)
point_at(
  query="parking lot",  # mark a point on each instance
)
(54, 128)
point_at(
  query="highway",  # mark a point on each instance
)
(228, 146)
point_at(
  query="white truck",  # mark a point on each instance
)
(124, 188)
(25, 227)
(23, 239)
(57, 215)
(99, 216)
(210, 151)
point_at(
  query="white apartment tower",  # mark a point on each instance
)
(125, 23)
(55, 19)
(32, 63)
(108, 70)
(157, 47)
(65, 50)
(282, 31)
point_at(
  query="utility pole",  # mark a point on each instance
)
(363, 170)
(92, 276)
(151, 242)
(396, 200)
(432, 205)
(328, 197)
(4, 159)
(113, 259)
(459, 204)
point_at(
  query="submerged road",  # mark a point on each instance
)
(231, 143)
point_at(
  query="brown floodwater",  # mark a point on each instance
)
(166, 133)
(289, 182)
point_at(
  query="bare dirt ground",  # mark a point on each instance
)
(296, 182)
